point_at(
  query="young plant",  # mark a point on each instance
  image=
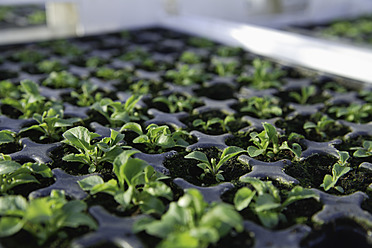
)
(48, 66)
(7, 136)
(62, 79)
(306, 93)
(136, 185)
(31, 101)
(9, 89)
(339, 169)
(177, 103)
(96, 154)
(136, 55)
(354, 112)
(365, 151)
(65, 48)
(212, 166)
(262, 107)
(321, 126)
(28, 56)
(109, 73)
(224, 67)
(51, 123)
(185, 75)
(267, 143)
(201, 42)
(191, 222)
(208, 125)
(42, 217)
(118, 113)
(190, 58)
(265, 76)
(13, 174)
(226, 51)
(157, 136)
(265, 200)
(87, 97)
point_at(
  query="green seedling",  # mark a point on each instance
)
(157, 136)
(208, 124)
(136, 185)
(31, 101)
(212, 166)
(178, 103)
(136, 55)
(65, 48)
(226, 51)
(267, 143)
(28, 56)
(94, 62)
(321, 127)
(141, 87)
(93, 154)
(185, 75)
(109, 73)
(62, 79)
(224, 68)
(51, 123)
(118, 113)
(13, 174)
(9, 89)
(262, 107)
(339, 169)
(354, 112)
(42, 217)
(37, 17)
(190, 58)
(364, 151)
(49, 66)
(87, 97)
(191, 222)
(201, 42)
(265, 200)
(265, 76)
(306, 93)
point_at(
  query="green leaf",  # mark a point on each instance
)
(228, 153)
(198, 156)
(89, 182)
(361, 153)
(328, 182)
(180, 240)
(269, 219)
(271, 132)
(76, 158)
(299, 193)
(41, 169)
(6, 137)
(243, 198)
(7, 167)
(338, 170)
(150, 204)
(266, 202)
(10, 226)
(254, 151)
(13, 204)
(79, 137)
(109, 187)
(135, 127)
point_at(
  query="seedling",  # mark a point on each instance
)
(31, 101)
(61, 80)
(48, 66)
(136, 184)
(190, 58)
(354, 112)
(339, 169)
(265, 200)
(94, 62)
(88, 95)
(185, 75)
(224, 68)
(157, 136)
(178, 103)
(28, 56)
(321, 126)
(226, 51)
(267, 143)
(96, 154)
(262, 107)
(192, 222)
(137, 55)
(212, 166)
(109, 73)
(200, 42)
(42, 217)
(264, 76)
(51, 123)
(306, 93)
(13, 174)
(65, 48)
(9, 89)
(208, 124)
(365, 151)
(118, 113)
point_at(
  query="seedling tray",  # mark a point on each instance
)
(205, 98)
